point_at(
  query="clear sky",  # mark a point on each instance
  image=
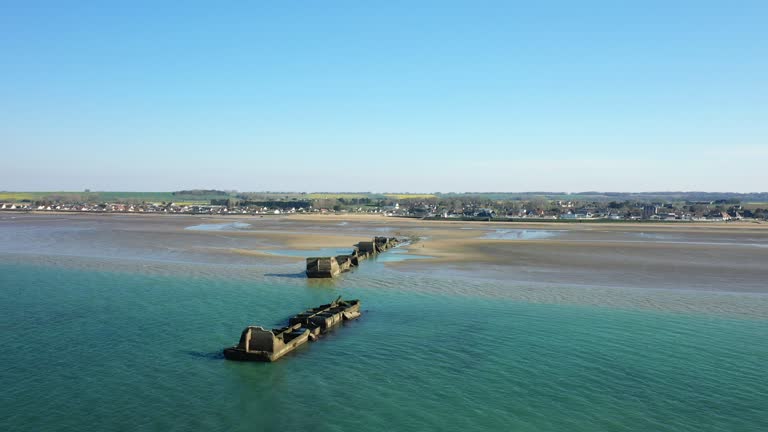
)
(384, 95)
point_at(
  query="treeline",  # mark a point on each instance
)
(271, 204)
(200, 192)
(612, 196)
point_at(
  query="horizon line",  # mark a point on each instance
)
(585, 192)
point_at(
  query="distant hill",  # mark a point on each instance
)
(201, 196)
(207, 195)
(201, 192)
(615, 196)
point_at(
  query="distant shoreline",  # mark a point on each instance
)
(381, 217)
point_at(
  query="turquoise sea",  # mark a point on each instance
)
(97, 344)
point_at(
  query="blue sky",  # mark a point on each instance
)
(385, 96)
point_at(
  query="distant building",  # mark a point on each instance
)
(577, 215)
(486, 213)
(649, 211)
(718, 215)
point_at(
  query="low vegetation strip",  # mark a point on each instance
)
(585, 206)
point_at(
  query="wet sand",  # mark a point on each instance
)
(728, 257)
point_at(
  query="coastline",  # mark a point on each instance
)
(533, 222)
(727, 256)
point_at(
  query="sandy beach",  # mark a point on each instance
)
(725, 257)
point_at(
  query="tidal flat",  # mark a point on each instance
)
(489, 327)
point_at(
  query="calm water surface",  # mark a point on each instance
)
(114, 343)
(521, 234)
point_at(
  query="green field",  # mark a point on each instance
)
(104, 197)
(372, 196)
(322, 195)
(179, 198)
(409, 196)
(204, 196)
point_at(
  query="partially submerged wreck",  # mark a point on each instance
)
(323, 267)
(324, 317)
(258, 344)
(330, 267)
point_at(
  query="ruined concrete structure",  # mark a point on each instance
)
(258, 344)
(322, 267)
(330, 267)
(322, 318)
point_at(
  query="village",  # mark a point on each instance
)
(156, 208)
(467, 208)
(591, 211)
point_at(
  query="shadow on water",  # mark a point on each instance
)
(322, 283)
(299, 275)
(216, 355)
(311, 282)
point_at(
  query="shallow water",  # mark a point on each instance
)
(132, 351)
(521, 234)
(398, 255)
(678, 238)
(322, 252)
(130, 341)
(233, 226)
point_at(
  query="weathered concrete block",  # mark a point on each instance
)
(322, 267)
